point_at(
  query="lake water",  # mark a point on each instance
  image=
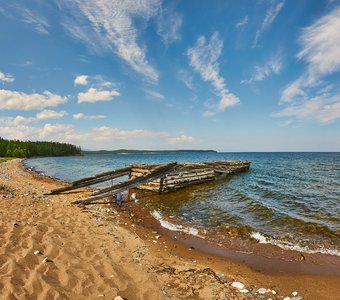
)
(288, 199)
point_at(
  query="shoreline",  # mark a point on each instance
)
(151, 265)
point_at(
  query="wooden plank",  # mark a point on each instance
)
(100, 175)
(119, 173)
(131, 183)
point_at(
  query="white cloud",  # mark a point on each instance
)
(93, 95)
(103, 137)
(50, 114)
(154, 94)
(108, 27)
(38, 22)
(81, 116)
(310, 96)
(13, 100)
(182, 139)
(6, 77)
(321, 45)
(13, 10)
(81, 80)
(104, 133)
(271, 14)
(203, 59)
(186, 78)
(293, 90)
(168, 25)
(323, 109)
(16, 121)
(272, 66)
(242, 23)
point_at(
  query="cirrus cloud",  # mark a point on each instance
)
(203, 59)
(109, 27)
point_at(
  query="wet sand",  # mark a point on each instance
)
(52, 249)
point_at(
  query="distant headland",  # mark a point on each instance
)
(126, 151)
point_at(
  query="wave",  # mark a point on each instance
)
(173, 227)
(290, 246)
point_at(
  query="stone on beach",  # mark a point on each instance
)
(238, 285)
(262, 291)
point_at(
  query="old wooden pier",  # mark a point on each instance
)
(157, 178)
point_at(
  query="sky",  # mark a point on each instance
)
(150, 74)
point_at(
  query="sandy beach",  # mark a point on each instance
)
(52, 249)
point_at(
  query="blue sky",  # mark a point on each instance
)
(150, 74)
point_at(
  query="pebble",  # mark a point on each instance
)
(286, 298)
(118, 298)
(295, 294)
(244, 291)
(46, 259)
(262, 291)
(237, 285)
(37, 252)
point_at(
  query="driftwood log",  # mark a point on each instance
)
(156, 173)
(93, 180)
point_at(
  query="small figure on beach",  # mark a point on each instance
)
(133, 197)
(119, 199)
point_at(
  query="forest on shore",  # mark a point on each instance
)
(16, 148)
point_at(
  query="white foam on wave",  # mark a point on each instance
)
(289, 246)
(173, 227)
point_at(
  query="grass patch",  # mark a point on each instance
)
(3, 159)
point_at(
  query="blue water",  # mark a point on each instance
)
(285, 198)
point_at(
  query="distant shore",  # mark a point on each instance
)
(51, 248)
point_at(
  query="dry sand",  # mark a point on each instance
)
(52, 249)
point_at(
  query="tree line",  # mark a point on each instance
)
(16, 148)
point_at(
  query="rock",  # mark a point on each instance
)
(286, 298)
(262, 291)
(273, 292)
(37, 252)
(295, 294)
(118, 298)
(296, 298)
(237, 285)
(46, 259)
(244, 291)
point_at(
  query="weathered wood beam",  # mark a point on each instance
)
(105, 174)
(118, 173)
(131, 183)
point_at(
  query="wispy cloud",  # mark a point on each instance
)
(13, 100)
(38, 22)
(108, 26)
(81, 116)
(323, 109)
(15, 11)
(6, 77)
(272, 66)
(203, 59)
(182, 139)
(310, 96)
(271, 13)
(93, 95)
(154, 94)
(242, 23)
(186, 78)
(169, 23)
